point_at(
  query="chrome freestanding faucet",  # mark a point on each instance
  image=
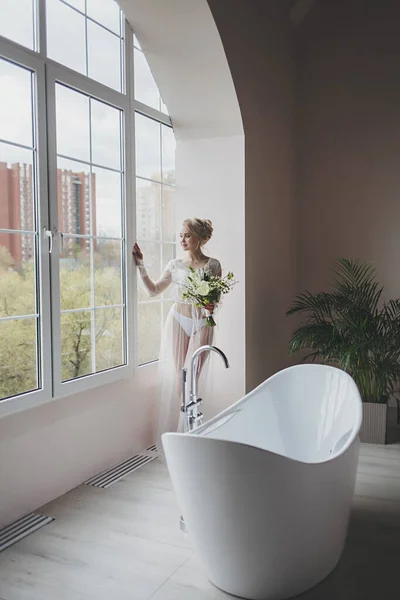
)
(194, 418)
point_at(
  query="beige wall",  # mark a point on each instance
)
(348, 117)
(257, 40)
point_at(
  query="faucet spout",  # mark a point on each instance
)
(193, 418)
(195, 362)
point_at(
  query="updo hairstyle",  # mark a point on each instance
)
(200, 228)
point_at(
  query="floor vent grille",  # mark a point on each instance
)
(20, 529)
(152, 448)
(111, 476)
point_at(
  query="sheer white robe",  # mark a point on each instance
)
(184, 331)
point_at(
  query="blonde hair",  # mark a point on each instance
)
(201, 228)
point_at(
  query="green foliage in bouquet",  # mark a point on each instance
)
(205, 290)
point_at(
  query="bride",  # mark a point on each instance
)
(185, 328)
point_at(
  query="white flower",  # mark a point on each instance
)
(203, 289)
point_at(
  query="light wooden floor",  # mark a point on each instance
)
(124, 543)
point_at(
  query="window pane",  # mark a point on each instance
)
(148, 142)
(91, 266)
(79, 4)
(106, 135)
(72, 112)
(136, 42)
(168, 215)
(152, 258)
(76, 344)
(17, 275)
(168, 154)
(106, 203)
(152, 261)
(16, 123)
(75, 274)
(149, 332)
(73, 185)
(16, 21)
(148, 209)
(168, 251)
(66, 36)
(16, 188)
(106, 12)
(19, 342)
(109, 338)
(18, 358)
(146, 89)
(107, 274)
(104, 56)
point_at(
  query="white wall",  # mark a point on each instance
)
(211, 185)
(46, 451)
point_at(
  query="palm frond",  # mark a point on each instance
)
(351, 328)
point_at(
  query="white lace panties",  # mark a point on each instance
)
(189, 325)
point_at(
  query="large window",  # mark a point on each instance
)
(67, 204)
(155, 181)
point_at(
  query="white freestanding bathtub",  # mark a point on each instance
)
(266, 486)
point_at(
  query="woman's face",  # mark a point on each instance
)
(188, 240)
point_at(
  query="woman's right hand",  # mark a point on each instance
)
(137, 254)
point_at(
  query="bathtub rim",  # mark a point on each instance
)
(347, 448)
(352, 439)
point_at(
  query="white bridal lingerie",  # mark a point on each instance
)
(185, 330)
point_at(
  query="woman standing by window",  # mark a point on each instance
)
(185, 328)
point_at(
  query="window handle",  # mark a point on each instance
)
(50, 233)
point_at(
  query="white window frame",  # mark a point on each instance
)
(162, 300)
(32, 61)
(48, 72)
(56, 74)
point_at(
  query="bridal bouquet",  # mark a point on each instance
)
(205, 290)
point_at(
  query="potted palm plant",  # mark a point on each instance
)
(351, 327)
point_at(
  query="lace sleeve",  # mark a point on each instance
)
(155, 288)
(215, 267)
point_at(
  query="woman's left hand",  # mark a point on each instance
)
(210, 308)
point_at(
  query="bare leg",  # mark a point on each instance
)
(180, 348)
(180, 341)
(202, 337)
(205, 336)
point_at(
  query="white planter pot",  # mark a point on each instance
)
(374, 424)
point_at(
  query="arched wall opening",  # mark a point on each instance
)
(185, 53)
(226, 71)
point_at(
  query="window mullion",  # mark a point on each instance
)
(54, 290)
(40, 32)
(42, 266)
(130, 201)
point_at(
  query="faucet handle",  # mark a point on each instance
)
(192, 404)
